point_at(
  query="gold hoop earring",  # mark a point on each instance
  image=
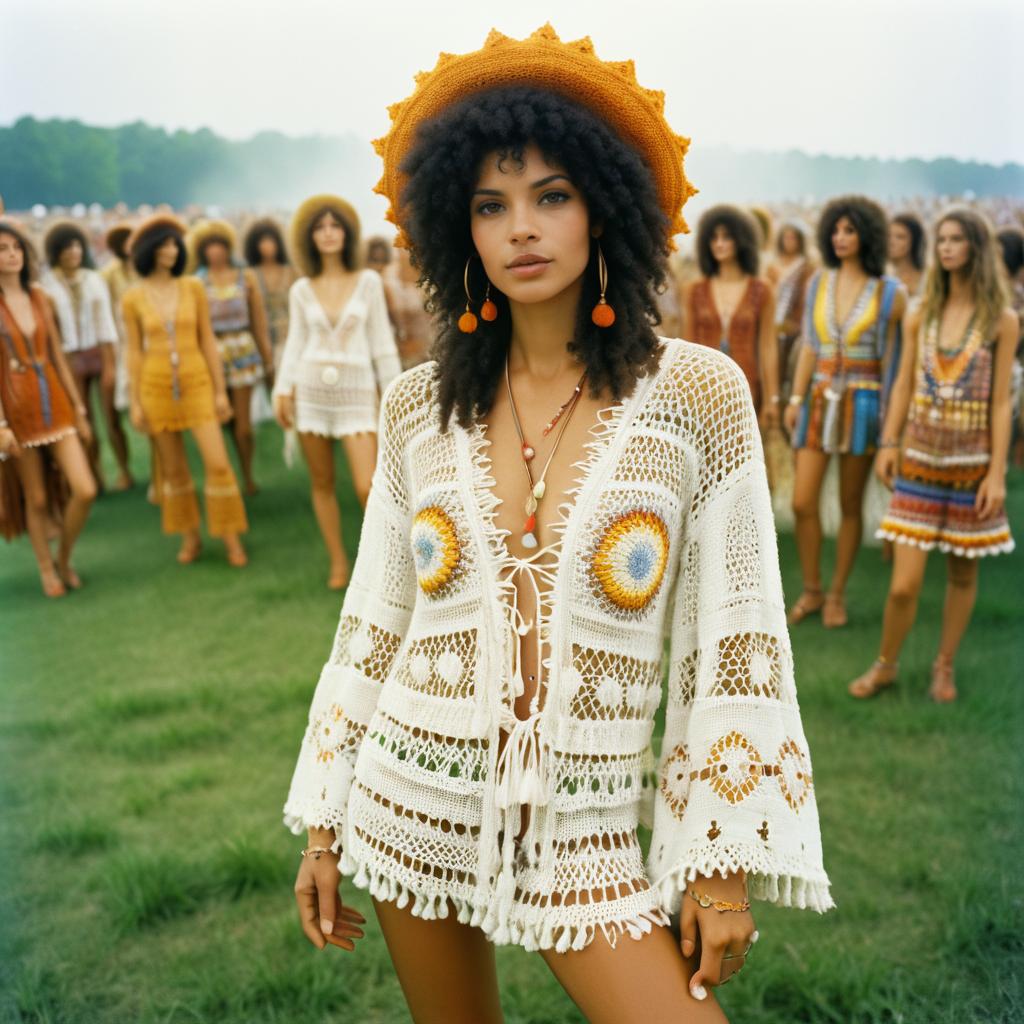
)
(467, 322)
(603, 315)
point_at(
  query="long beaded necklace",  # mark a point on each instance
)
(944, 368)
(172, 346)
(537, 489)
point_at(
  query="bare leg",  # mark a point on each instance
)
(644, 979)
(118, 438)
(446, 969)
(71, 458)
(810, 471)
(319, 455)
(361, 452)
(961, 593)
(853, 478)
(241, 430)
(220, 477)
(30, 470)
(176, 480)
(908, 568)
(84, 383)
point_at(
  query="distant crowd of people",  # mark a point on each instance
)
(877, 337)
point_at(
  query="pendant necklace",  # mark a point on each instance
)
(529, 538)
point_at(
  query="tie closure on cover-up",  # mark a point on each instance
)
(521, 774)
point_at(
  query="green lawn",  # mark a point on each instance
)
(149, 725)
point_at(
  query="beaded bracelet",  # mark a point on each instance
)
(316, 851)
(720, 905)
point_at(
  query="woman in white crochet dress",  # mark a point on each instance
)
(338, 357)
(557, 492)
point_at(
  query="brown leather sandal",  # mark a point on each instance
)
(53, 585)
(943, 685)
(880, 676)
(804, 606)
(188, 553)
(833, 612)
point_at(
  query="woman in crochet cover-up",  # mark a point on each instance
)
(338, 358)
(945, 443)
(544, 513)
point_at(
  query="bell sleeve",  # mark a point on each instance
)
(386, 363)
(374, 616)
(295, 342)
(735, 783)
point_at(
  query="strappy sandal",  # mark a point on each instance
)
(188, 553)
(803, 606)
(943, 686)
(69, 577)
(237, 558)
(53, 585)
(871, 683)
(833, 612)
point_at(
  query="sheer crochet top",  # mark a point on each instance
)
(663, 587)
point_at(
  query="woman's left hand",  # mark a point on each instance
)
(725, 935)
(770, 416)
(991, 497)
(222, 407)
(82, 425)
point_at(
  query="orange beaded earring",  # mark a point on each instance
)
(488, 311)
(603, 314)
(467, 322)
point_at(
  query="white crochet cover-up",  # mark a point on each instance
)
(668, 533)
(336, 371)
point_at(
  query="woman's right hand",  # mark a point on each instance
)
(9, 443)
(284, 411)
(886, 464)
(324, 918)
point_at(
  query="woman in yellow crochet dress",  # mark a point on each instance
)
(557, 491)
(177, 384)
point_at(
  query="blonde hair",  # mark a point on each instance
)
(984, 270)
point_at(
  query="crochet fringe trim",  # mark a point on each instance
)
(546, 932)
(764, 881)
(1002, 548)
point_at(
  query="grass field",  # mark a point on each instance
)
(148, 728)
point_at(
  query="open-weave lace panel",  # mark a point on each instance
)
(671, 534)
(442, 666)
(608, 686)
(735, 787)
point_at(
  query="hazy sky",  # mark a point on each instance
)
(894, 79)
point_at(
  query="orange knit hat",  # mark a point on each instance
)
(607, 88)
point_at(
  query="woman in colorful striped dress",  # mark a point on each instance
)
(851, 317)
(239, 321)
(945, 443)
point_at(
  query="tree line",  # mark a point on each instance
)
(62, 162)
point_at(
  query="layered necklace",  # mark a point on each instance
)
(944, 368)
(529, 453)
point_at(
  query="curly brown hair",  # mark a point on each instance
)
(742, 230)
(868, 220)
(617, 186)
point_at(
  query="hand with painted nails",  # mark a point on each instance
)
(720, 937)
(325, 919)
